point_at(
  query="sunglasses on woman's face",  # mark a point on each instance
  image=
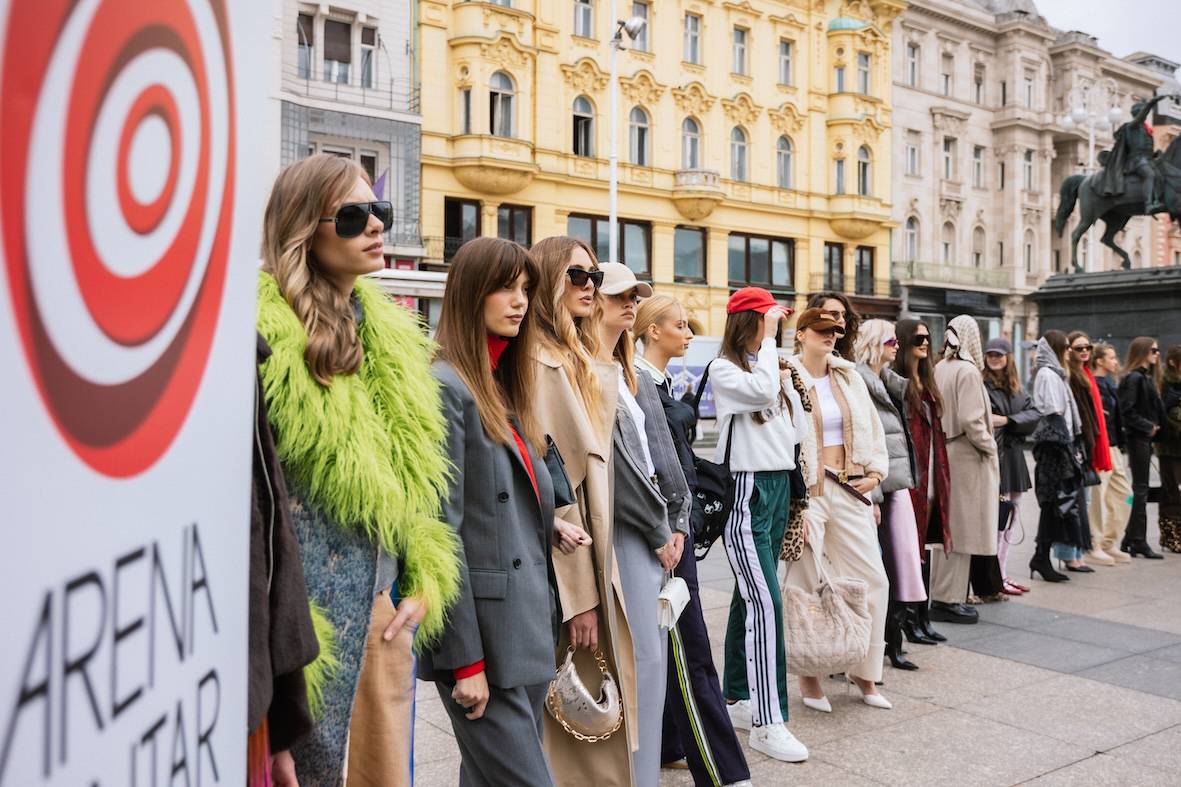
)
(891, 342)
(579, 277)
(352, 218)
(1081, 348)
(920, 339)
(1154, 351)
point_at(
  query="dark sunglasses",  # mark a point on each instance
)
(1082, 348)
(1154, 351)
(579, 277)
(352, 219)
(891, 342)
(920, 339)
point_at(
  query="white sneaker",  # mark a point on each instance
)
(777, 742)
(740, 715)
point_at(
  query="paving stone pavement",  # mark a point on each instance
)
(1077, 683)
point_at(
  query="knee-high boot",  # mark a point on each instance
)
(895, 612)
(922, 609)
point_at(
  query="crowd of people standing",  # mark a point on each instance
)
(513, 510)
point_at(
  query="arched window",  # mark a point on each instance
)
(500, 114)
(783, 151)
(978, 246)
(638, 136)
(947, 244)
(1027, 247)
(912, 239)
(584, 127)
(863, 184)
(690, 144)
(738, 146)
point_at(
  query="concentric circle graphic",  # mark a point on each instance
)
(116, 200)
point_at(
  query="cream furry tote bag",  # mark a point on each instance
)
(825, 631)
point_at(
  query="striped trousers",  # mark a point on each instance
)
(756, 662)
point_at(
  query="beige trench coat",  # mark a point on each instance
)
(588, 578)
(972, 456)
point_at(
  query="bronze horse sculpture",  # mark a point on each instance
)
(1116, 210)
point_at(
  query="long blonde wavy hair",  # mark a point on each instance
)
(576, 342)
(303, 192)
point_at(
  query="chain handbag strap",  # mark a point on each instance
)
(555, 706)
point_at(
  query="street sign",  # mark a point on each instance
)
(129, 214)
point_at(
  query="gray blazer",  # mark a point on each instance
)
(669, 474)
(506, 611)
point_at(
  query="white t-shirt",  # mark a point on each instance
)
(830, 413)
(633, 409)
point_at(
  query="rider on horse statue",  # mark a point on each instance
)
(1132, 153)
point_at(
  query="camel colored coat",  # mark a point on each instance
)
(971, 456)
(588, 578)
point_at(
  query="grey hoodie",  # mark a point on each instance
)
(1050, 392)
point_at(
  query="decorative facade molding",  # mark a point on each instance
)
(641, 88)
(741, 109)
(693, 98)
(506, 51)
(868, 130)
(787, 119)
(949, 209)
(949, 121)
(585, 76)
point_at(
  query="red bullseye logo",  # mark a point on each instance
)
(116, 201)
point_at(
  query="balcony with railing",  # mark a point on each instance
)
(862, 286)
(387, 93)
(939, 274)
(696, 192)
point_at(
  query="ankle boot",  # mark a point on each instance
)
(908, 624)
(923, 608)
(1041, 563)
(894, 613)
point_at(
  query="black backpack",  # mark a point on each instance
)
(714, 496)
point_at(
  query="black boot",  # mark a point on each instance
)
(910, 625)
(894, 615)
(1041, 563)
(1141, 549)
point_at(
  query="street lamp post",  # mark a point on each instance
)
(633, 27)
(1080, 117)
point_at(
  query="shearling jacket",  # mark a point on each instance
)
(887, 391)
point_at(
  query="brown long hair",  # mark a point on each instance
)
(480, 268)
(575, 341)
(1100, 351)
(1004, 380)
(303, 192)
(624, 350)
(1138, 355)
(919, 374)
(740, 327)
(844, 344)
(1078, 375)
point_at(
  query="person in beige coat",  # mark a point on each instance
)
(575, 403)
(975, 471)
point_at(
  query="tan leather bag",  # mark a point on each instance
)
(828, 630)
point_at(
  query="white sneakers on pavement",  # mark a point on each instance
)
(740, 714)
(777, 742)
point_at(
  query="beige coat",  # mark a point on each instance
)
(588, 578)
(972, 456)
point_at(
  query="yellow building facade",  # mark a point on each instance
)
(753, 139)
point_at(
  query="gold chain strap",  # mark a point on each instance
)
(551, 700)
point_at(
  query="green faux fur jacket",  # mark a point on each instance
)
(368, 449)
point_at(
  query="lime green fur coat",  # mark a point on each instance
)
(369, 448)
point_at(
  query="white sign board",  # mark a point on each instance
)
(129, 210)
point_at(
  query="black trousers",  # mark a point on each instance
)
(1170, 481)
(696, 724)
(1139, 450)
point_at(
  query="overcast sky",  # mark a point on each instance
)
(1122, 26)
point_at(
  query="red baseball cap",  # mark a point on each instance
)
(753, 299)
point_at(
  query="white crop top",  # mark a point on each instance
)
(830, 413)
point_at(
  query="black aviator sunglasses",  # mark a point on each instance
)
(352, 218)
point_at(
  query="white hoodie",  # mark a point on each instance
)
(738, 395)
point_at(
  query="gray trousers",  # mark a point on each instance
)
(503, 747)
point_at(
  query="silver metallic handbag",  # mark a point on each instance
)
(572, 706)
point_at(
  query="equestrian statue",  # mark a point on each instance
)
(1132, 182)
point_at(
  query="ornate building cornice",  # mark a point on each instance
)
(585, 76)
(741, 109)
(641, 88)
(693, 98)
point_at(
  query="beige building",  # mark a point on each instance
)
(753, 139)
(980, 88)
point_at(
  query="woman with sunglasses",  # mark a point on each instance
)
(757, 432)
(923, 409)
(876, 349)
(1109, 502)
(975, 471)
(1013, 419)
(1096, 451)
(575, 402)
(1143, 415)
(1168, 448)
(837, 307)
(360, 436)
(698, 734)
(845, 460)
(495, 660)
(651, 505)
